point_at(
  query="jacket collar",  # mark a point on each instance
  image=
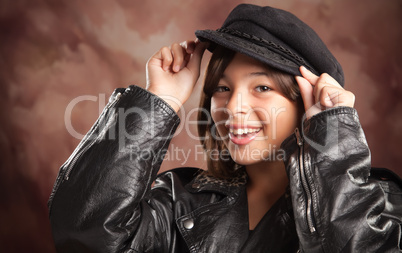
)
(230, 216)
(204, 182)
(229, 187)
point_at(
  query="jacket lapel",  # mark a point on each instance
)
(221, 224)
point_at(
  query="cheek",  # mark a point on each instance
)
(287, 121)
(280, 119)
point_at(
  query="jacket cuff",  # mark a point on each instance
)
(140, 94)
(322, 131)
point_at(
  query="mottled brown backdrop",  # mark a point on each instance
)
(60, 60)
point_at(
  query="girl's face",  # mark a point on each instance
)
(251, 116)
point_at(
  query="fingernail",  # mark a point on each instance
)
(306, 69)
(176, 68)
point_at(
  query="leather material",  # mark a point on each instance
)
(102, 200)
(350, 211)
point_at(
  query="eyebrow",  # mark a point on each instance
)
(252, 74)
(261, 73)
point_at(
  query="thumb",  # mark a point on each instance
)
(306, 91)
(195, 60)
(308, 75)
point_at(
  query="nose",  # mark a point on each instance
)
(238, 103)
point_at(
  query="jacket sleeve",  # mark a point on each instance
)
(99, 200)
(337, 206)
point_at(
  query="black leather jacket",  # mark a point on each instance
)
(103, 201)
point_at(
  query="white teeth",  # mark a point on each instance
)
(240, 131)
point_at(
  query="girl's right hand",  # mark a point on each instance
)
(322, 92)
(173, 71)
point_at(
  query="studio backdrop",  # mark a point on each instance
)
(60, 61)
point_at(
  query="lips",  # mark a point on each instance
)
(242, 135)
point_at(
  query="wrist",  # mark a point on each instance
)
(172, 101)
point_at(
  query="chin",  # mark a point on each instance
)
(251, 158)
(241, 159)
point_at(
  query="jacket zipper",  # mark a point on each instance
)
(70, 163)
(92, 141)
(306, 187)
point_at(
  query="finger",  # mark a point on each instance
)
(189, 46)
(178, 56)
(333, 97)
(320, 91)
(308, 75)
(306, 91)
(328, 96)
(195, 60)
(167, 58)
(323, 89)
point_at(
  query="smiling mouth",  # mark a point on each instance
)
(243, 136)
(243, 131)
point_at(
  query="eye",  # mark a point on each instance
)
(262, 88)
(221, 89)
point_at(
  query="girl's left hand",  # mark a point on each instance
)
(322, 92)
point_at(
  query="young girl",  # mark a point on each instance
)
(288, 163)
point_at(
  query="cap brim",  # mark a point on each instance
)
(251, 49)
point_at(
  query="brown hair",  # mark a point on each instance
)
(220, 59)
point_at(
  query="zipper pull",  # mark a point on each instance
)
(299, 138)
(114, 100)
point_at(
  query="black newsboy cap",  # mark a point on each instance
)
(275, 37)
